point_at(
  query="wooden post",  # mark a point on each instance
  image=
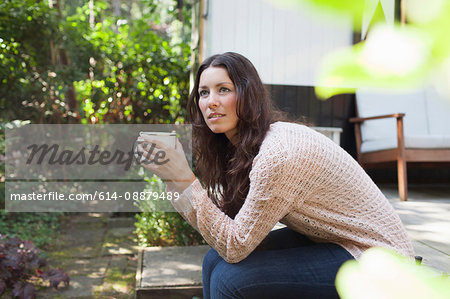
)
(401, 162)
(358, 138)
(403, 12)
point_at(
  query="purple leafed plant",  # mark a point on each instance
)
(19, 262)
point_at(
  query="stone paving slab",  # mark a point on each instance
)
(119, 240)
(172, 266)
(95, 267)
(99, 254)
(432, 257)
(81, 240)
(426, 217)
(428, 222)
(80, 286)
(120, 223)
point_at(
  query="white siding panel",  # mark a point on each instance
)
(242, 13)
(286, 46)
(254, 32)
(279, 46)
(265, 68)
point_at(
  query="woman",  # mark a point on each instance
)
(254, 171)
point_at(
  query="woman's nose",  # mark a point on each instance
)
(212, 100)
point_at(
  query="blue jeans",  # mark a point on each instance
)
(285, 265)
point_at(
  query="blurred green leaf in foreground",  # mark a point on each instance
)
(381, 273)
(402, 55)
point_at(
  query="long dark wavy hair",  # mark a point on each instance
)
(221, 167)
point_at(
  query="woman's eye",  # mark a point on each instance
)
(224, 89)
(203, 93)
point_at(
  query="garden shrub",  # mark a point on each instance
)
(21, 261)
(156, 227)
(40, 228)
(165, 229)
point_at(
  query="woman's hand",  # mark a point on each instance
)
(166, 162)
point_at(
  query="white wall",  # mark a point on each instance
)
(286, 46)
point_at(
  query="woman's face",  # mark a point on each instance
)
(218, 101)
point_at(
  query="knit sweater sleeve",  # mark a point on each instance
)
(266, 203)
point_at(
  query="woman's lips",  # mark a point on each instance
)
(215, 116)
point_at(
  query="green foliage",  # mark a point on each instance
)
(165, 229)
(39, 228)
(155, 226)
(78, 64)
(373, 274)
(145, 73)
(137, 75)
(28, 89)
(3, 127)
(64, 66)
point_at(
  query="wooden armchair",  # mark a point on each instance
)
(402, 128)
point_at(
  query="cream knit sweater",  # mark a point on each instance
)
(305, 181)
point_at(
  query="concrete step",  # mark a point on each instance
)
(170, 272)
